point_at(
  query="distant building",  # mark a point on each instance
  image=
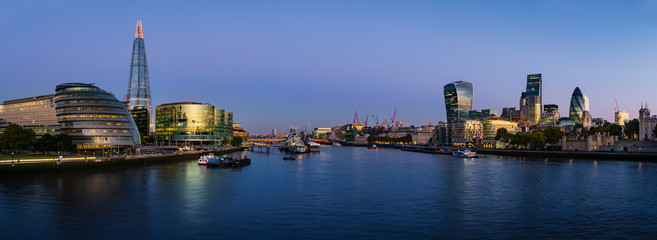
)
(647, 124)
(95, 119)
(458, 100)
(534, 96)
(36, 113)
(191, 123)
(586, 119)
(621, 118)
(238, 131)
(321, 133)
(578, 104)
(479, 114)
(511, 114)
(550, 115)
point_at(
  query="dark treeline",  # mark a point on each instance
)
(18, 139)
(405, 139)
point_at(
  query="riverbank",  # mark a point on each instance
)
(622, 156)
(108, 162)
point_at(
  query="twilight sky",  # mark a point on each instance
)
(274, 63)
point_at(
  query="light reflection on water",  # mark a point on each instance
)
(340, 193)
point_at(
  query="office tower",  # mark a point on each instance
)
(458, 100)
(578, 104)
(534, 97)
(139, 90)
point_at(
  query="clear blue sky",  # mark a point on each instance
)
(279, 62)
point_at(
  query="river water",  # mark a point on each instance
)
(340, 193)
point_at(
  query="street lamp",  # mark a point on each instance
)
(12, 159)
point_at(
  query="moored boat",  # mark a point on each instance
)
(203, 160)
(465, 154)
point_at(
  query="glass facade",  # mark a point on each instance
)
(139, 91)
(578, 104)
(36, 113)
(458, 101)
(142, 119)
(190, 123)
(534, 97)
(550, 115)
(94, 118)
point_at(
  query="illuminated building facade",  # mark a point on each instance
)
(550, 115)
(192, 123)
(464, 132)
(534, 97)
(139, 91)
(36, 113)
(621, 118)
(490, 127)
(95, 119)
(458, 101)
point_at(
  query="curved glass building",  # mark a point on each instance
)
(458, 101)
(578, 104)
(185, 123)
(94, 118)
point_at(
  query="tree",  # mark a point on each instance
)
(65, 143)
(553, 135)
(537, 139)
(503, 134)
(16, 138)
(632, 129)
(47, 143)
(237, 141)
(654, 132)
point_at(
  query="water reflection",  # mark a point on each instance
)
(340, 193)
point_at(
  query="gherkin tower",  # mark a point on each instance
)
(139, 91)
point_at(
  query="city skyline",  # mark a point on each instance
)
(345, 56)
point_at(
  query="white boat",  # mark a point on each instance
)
(465, 154)
(313, 146)
(203, 160)
(337, 144)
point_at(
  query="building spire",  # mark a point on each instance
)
(139, 32)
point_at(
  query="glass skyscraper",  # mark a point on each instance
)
(534, 96)
(578, 104)
(458, 101)
(139, 91)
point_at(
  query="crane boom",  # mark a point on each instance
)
(393, 118)
(366, 118)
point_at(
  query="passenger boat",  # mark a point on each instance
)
(337, 144)
(374, 146)
(203, 160)
(229, 162)
(313, 146)
(465, 154)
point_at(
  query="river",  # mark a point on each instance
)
(340, 193)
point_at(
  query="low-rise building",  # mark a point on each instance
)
(462, 133)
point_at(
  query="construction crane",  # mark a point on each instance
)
(392, 123)
(376, 119)
(616, 108)
(368, 117)
(356, 117)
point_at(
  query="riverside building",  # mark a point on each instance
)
(647, 124)
(95, 119)
(192, 123)
(36, 113)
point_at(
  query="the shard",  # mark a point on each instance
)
(139, 91)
